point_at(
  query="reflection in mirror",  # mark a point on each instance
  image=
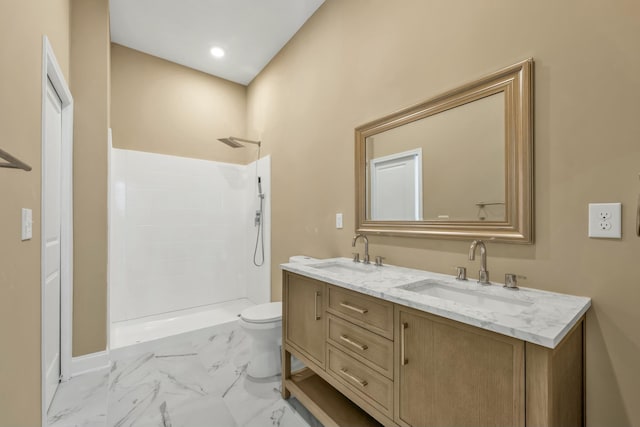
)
(395, 184)
(462, 172)
(456, 166)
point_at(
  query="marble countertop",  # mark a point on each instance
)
(543, 317)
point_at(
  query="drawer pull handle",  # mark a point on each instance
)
(353, 343)
(354, 308)
(403, 359)
(315, 307)
(360, 382)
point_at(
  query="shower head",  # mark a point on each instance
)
(234, 142)
(230, 142)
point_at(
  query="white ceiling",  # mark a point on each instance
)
(183, 31)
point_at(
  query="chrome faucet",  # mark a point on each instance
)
(366, 246)
(483, 274)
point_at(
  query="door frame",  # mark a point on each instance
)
(51, 71)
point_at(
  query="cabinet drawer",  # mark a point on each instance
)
(369, 348)
(371, 313)
(372, 386)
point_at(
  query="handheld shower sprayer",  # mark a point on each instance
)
(258, 222)
(235, 142)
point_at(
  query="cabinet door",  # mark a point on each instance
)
(304, 313)
(451, 374)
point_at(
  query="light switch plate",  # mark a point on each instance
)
(27, 224)
(338, 220)
(605, 220)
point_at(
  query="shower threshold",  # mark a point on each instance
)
(150, 328)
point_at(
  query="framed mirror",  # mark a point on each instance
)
(458, 166)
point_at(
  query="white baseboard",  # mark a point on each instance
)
(89, 363)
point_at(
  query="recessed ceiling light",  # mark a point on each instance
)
(217, 52)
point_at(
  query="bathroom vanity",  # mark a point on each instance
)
(401, 347)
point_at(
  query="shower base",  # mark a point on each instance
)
(151, 328)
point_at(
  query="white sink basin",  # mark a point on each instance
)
(345, 267)
(477, 299)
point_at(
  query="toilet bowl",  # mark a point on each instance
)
(263, 323)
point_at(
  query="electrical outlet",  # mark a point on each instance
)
(604, 214)
(338, 220)
(604, 225)
(605, 220)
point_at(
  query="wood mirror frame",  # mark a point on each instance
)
(516, 82)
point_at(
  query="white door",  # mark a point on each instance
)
(396, 186)
(51, 234)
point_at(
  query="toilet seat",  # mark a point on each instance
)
(263, 313)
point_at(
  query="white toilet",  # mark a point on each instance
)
(263, 323)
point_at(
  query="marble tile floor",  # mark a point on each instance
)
(195, 379)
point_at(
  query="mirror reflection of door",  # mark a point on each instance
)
(463, 164)
(396, 186)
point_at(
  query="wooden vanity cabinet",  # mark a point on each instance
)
(555, 381)
(451, 374)
(371, 362)
(304, 323)
(345, 383)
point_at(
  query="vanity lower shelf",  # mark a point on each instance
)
(329, 406)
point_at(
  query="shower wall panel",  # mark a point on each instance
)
(179, 233)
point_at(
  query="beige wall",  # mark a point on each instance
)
(22, 24)
(354, 61)
(90, 47)
(162, 107)
(358, 60)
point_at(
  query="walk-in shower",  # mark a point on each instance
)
(236, 142)
(181, 236)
